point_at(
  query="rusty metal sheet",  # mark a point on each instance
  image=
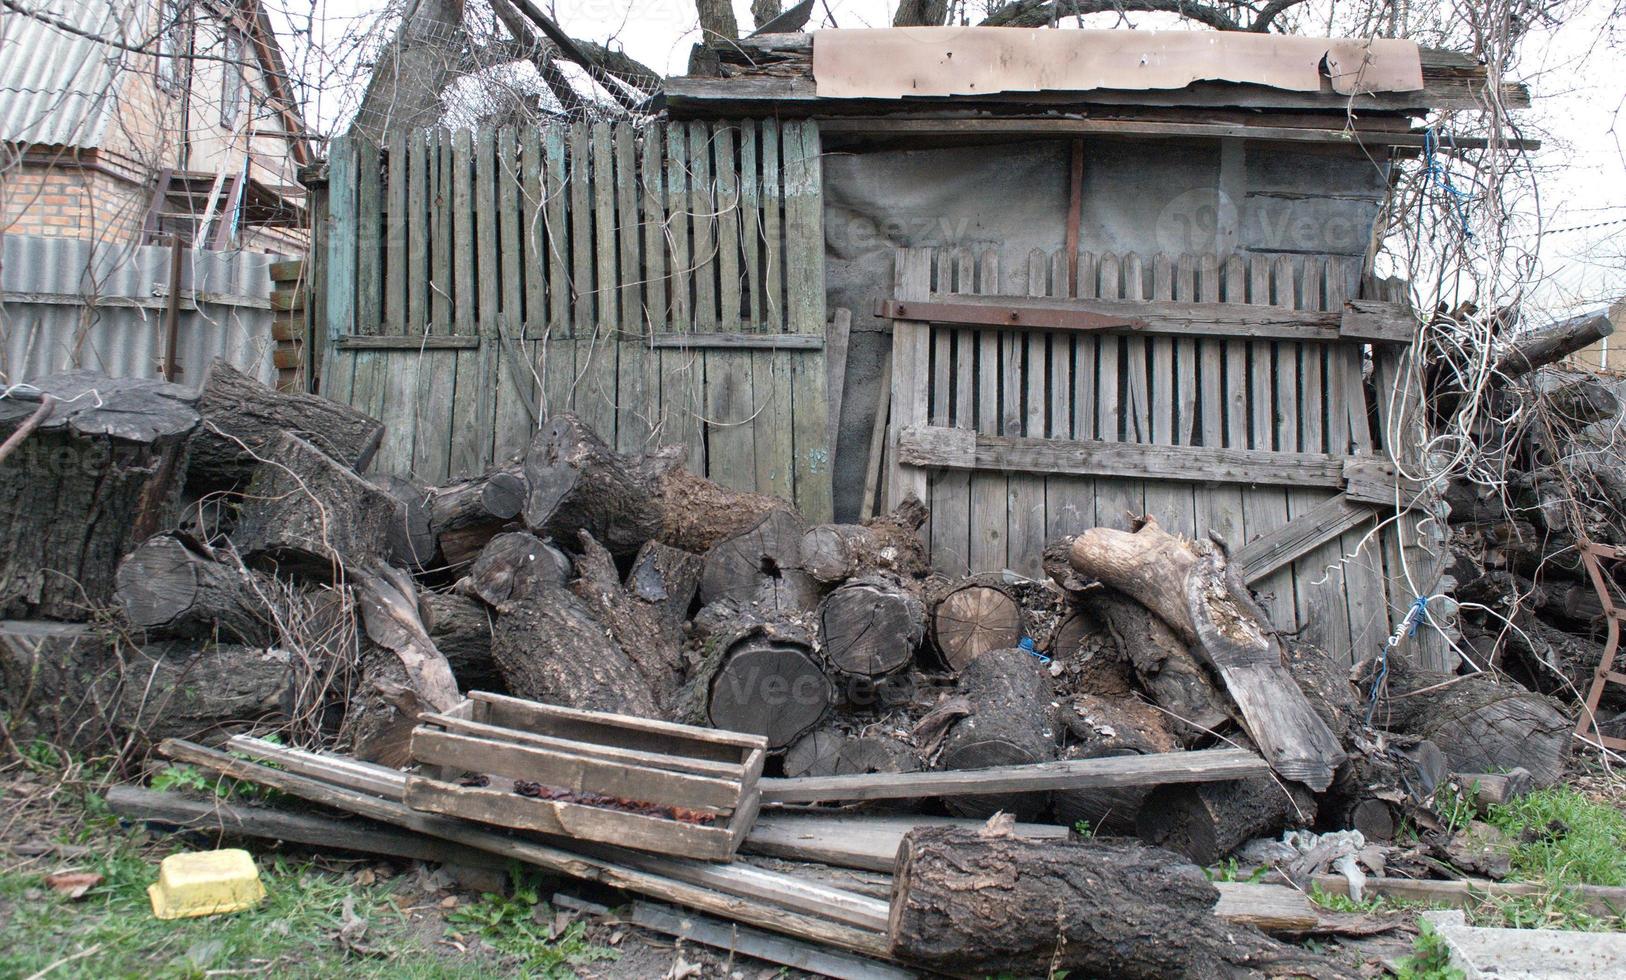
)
(903, 62)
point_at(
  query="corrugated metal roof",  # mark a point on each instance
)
(56, 88)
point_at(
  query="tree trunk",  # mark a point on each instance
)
(102, 473)
(411, 71)
(1110, 727)
(461, 630)
(167, 589)
(643, 631)
(577, 483)
(306, 511)
(1168, 672)
(975, 902)
(242, 420)
(513, 565)
(762, 679)
(411, 543)
(1206, 821)
(834, 553)
(403, 676)
(1546, 346)
(1192, 589)
(871, 627)
(1012, 722)
(549, 648)
(973, 615)
(668, 577)
(464, 515)
(1480, 725)
(737, 567)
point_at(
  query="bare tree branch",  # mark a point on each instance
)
(540, 54)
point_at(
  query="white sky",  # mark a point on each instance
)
(1579, 114)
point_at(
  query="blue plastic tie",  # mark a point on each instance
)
(1027, 644)
(1432, 170)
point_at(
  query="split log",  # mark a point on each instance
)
(309, 512)
(834, 553)
(411, 543)
(1110, 727)
(101, 473)
(243, 421)
(577, 483)
(871, 626)
(1480, 725)
(1168, 672)
(1192, 589)
(738, 566)
(667, 576)
(1206, 821)
(643, 630)
(986, 901)
(972, 616)
(515, 564)
(761, 679)
(463, 516)
(403, 674)
(548, 647)
(168, 589)
(1012, 722)
(461, 629)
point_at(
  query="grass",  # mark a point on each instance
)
(522, 926)
(1430, 959)
(1563, 838)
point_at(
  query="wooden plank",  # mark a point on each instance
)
(340, 290)
(474, 414)
(419, 235)
(561, 287)
(817, 960)
(1185, 357)
(682, 373)
(773, 427)
(399, 342)
(1025, 407)
(773, 244)
(652, 197)
(1170, 503)
(940, 446)
(728, 225)
(1218, 508)
(813, 461)
(451, 287)
(703, 217)
(514, 408)
(865, 841)
(734, 770)
(753, 340)
(873, 464)
(369, 217)
(1266, 507)
(533, 229)
(733, 422)
(840, 333)
(596, 348)
(1116, 501)
(988, 490)
(1272, 908)
(1360, 554)
(1312, 527)
(1201, 766)
(579, 214)
(630, 302)
(912, 272)
(949, 530)
(579, 723)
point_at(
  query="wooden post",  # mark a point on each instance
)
(172, 310)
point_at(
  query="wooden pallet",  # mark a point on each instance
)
(663, 765)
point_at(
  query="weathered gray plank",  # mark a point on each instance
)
(988, 490)
(1266, 508)
(804, 233)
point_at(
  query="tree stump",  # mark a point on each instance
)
(834, 553)
(515, 564)
(973, 615)
(738, 566)
(871, 627)
(463, 516)
(100, 474)
(1012, 722)
(577, 483)
(761, 679)
(976, 902)
(305, 511)
(817, 753)
(548, 647)
(167, 589)
(243, 420)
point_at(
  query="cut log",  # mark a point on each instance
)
(1168, 672)
(871, 627)
(834, 553)
(973, 615)
(1488, 789)
(461, 629)
(1546, 346)
(305, 511)
(1206, 821)
(549, 648)
(1480, 725)
(403, 674)
(1012, 722)
(411, 543)
(101, 473)
(167, 589)
(738, 566)
(983, 902)
(815, 754)
(643, 630)
(1382, 783)
(1110, 727)
(761, 679)
(876, 753)
(1192, 589)
(515, 564)
(577, 483)
(464, 515)
(697, 514)
(667, 576)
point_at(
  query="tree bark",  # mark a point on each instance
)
(983, 902)
(461, 630)
(1206, 821)
(167, 589)
(973, 615)
(242, 420)
(1168, 672)
(1012, 722)
(737, 567)
(513, 565)
(306, 511)
(762, 679)
(643, 631)
(871, 627)
(403, 676)
(100, 474)
(668, 577)
(577, 483)
(834, 553)
(464, 515)
(549, 648)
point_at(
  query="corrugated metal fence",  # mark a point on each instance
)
(66, 303)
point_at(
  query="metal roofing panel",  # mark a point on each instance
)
(56, 87)
(904, 62)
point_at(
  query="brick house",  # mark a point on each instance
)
(128, 121)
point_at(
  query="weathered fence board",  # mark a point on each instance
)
(477, 281)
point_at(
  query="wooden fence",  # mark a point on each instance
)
(664, 281)
(1226, 399)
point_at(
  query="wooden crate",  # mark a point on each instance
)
(632, 759)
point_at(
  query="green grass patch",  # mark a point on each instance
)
(1562, 838)
(523, 927)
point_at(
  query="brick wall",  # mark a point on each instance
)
(64, 200)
